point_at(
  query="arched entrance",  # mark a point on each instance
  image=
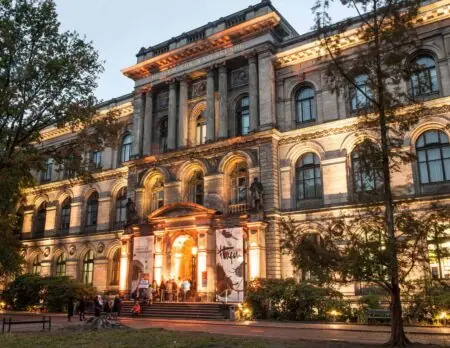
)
(184, 259)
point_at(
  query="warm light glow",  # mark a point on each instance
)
(123, 273)
(443, 315)
(194, 251)
(201, 267)
(334, 313)
(158, 268)
(255, 270)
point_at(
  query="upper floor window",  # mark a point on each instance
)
(40, 219)
(201, 130)
(115, 268)
(36, 268)
(360, 93)
(239, 184)
(163, 133)
(196, 187)
(305, 105)
(121, 207)
(243, 116)
(46, 174)
(125, 150)
(433, 157)
(92, 210)
(60, 265)
(64, 224)
(157, 194)
(96, 160)
(366, 175)
(69, 168)
(308, 179)
(88, 268)
(424, 79)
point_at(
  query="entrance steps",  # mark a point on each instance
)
(180, 310)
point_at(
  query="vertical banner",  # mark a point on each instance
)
(230, 264)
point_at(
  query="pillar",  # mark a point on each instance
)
(125, 264)
(148, 124)
(210, 107)
(256, 250)
(253, 93)
(159, 259)
(223, 102)
(172, 122)
(267, 92)
(183, 114)
(138, 115)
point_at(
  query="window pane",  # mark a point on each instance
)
(421, 156)
(431, 137)
(436, 174)
(423, 173)
(434, 154)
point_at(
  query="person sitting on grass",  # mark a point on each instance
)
(136, 310)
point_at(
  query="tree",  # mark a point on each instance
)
(47, 79)
(372, 75)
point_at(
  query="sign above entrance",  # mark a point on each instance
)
(230, 264)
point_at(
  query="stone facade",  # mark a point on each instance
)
(207, 116)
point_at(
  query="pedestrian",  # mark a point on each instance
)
(116, 306)
(136, 310)
(97, 306)
(175, 290)
(107, 309)
(186, 289)
(81, 308)
(70, 305)
(162, 290)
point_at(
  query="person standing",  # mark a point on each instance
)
(70, 305)
(81, 308)
(117, 306)
(97, 307)
(107, 309)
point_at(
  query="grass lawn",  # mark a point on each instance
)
(151, 338)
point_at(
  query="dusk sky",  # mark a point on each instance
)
(120, 28)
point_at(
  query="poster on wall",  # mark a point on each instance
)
(230, 264)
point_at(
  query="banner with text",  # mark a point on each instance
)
(230, 264)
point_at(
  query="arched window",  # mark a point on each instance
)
(46, 174)
(305, 105)
(243, 116)
(308, 180)
(239, 184)
(125, 149)
(360, 93)
(40, 220)
(64, 223)
(424, 80)
(88, 268)
(121, 207)
(201, 130)
(157, 194)
(115, 268)
(196, 187)
(60, 270)
(36, 269)
(433, 157)
(92, 210)
(163, 132)
(366, 175)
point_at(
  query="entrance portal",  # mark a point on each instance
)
(184, 257)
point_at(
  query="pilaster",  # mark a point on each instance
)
(138, 116)
(253, 92)
(223, 101)
(148, 124)
(172, 122)
(183, 114)
(267, 92)
(210, 107)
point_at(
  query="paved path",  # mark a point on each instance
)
(295, 331)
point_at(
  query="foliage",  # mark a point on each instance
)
(287, 299)
(32, 290)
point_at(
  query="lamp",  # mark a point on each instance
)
(194, 251)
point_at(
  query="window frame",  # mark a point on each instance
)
(197, 196)
(46, 175)
(115, 268)
(91, 214)
(64, 217)
(300, 168)
(418, 70)
(163, 134)
(36, 266)
(357, 174)
(126, 148)
(120, 208)
(40, 220)
(311, 100)
(239, 172)
(155, 199)
(61, 265)
(200, 129)
(88, 268)
(243, 112)
(356, 107)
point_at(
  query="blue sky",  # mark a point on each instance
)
(119, 28)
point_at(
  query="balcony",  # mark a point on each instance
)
(237, 208)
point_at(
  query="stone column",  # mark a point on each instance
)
(125, 264)
(256, 250)
(148, 124)
(183, 114)
(223, 102)
(267, 92)
(138, 115)
(210, 116)
(253, 93)
(172, 125)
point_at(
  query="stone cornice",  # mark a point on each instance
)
(217, 41)
(428, 14)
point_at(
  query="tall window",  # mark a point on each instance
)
(125, 150)
(243, 116)
(366, 175)
(201, 130)
(196, 187)
(305, 105)
(424, 80)
(308, 180)
(88, 268)
(40, 220)
(92, 210)
(69, 167)
(115, 268)
(163, 133)
(60, 265)
(65, 215)
(157, 194)
(121, 207)
(239, 184)
(433, 157)
(36, 269)
(96, 160)
(360, 95)
(46, 174)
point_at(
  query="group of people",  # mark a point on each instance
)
(110, 308)
(171, 291)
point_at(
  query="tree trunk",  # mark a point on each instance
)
(398, 337)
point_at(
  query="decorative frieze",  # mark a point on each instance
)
(198, 89)
(239, 77)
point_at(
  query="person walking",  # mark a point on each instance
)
(116, 306)
(107, 309)
(97, 307)
(186, 288)
(81, 308)
(70, 305)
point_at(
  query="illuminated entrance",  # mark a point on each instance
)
(184, 259)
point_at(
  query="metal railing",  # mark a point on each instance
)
(238, 208)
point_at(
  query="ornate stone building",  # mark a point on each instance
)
(240, 98)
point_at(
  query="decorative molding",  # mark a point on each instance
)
(239, 77)
(199, 89)
(162, 101)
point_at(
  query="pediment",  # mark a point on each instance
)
(179, 210)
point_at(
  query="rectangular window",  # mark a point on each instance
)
(96, 159)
